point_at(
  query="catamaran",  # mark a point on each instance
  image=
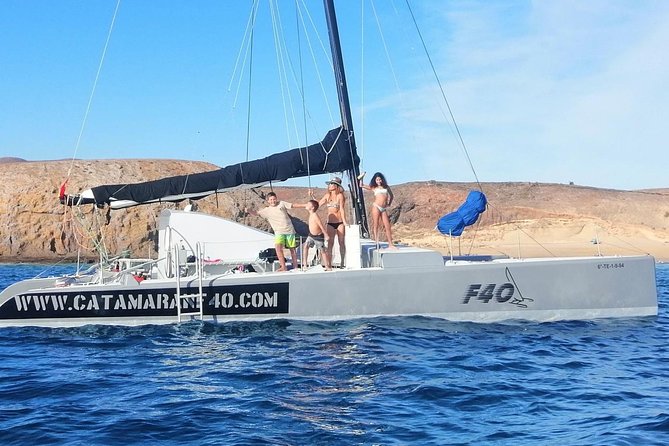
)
(212, 269)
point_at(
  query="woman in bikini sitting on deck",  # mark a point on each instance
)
(383, 198)
(335, 201)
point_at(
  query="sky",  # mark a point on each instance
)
(541, 91)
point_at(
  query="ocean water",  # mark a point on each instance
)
(381, 381)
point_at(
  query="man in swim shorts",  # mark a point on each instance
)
(284, 233)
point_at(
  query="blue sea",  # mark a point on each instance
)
(386, 381)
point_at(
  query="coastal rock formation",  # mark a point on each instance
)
(525, 219)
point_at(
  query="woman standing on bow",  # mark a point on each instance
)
(383, 198)
(335, 201)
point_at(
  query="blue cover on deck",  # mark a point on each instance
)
(467, 214)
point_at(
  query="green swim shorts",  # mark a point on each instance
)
(285, 240)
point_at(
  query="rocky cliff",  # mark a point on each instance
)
(526, 219)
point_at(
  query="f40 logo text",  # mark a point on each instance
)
(489, 291)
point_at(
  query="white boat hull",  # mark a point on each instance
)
(498, 290)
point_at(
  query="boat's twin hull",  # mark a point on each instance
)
(537, 290)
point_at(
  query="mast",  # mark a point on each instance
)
(346, 120)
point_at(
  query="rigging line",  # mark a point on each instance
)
(65, 223)
(313, 57)
(334, 144)
(249, 52)
(404, 36)
(248, 105)
(304, 105)
(392, 3)
(295, 80)
(324, 48)
(362, 85)
(51, 266)
(388, 57)
(242, 44)
(385, 46)
(290, 64)
(443, 95)
(95, 84)
(87, 231)
(80, 231)
(524, 232)
(476, 231)
(387, 53)
(281, 52)
(629, 245)
(101, 239)
(254, 14)
(183, 191)
(279, 62)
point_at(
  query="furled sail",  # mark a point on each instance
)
(332, 154)
(467, 214)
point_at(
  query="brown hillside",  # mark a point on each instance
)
(526, 219)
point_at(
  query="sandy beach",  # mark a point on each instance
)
(543, 239)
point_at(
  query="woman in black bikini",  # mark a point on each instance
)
(335, 201)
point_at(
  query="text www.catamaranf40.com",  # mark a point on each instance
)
(81, 302)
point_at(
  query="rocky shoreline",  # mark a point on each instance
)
(524, 219)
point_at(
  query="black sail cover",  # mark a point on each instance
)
(332, 154)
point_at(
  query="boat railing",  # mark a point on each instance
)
(124, 267)
(228, 257)
(183, 244)
(233, 257)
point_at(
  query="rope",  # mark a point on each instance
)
(387, 53)
(476, 231)
(69, 222)
(304, 105)
(443, 95)
(313, 57)
(281, 57)
(183, 191)
(319, 76)
(327, 151)
(244, 46)
(285, 65)
(249, 53)
(249, 22)
(362, 86)
(79, 230)
(248, 105)
(95, 84)
(524, 232)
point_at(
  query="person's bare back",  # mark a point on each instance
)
(315, 224)
(318, 236)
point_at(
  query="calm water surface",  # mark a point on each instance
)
(371, 381)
